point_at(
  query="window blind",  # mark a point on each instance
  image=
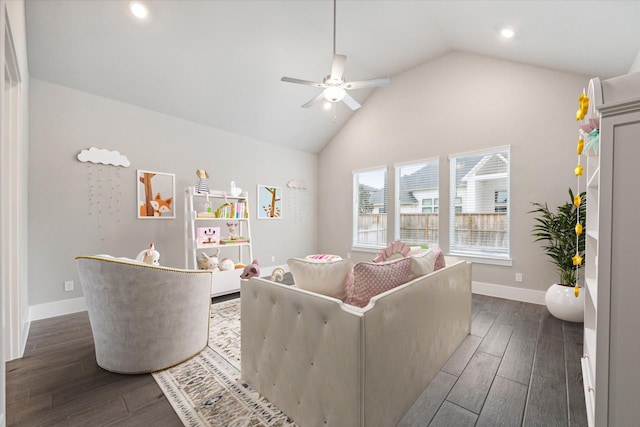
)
(479, 203)
(417, 202)
(370, 208)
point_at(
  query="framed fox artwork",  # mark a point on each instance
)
(156, 195)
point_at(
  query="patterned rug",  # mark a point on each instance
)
(206, 390)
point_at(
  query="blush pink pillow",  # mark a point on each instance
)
(371, 279)
(440, 262)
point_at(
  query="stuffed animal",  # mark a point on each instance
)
(233, 230)
(206, 262)
(227, 264)
(202, 186)
(149, 256)
(251, 270)
(277, 274)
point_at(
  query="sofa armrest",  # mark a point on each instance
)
(410, 332)
(302, 351)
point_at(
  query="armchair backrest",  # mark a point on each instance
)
(144, 318)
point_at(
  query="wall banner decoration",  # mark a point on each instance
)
(269, 202)
(156, 195)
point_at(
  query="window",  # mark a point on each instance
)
(370, 208)
(417, 201)
(501, 201)
(479, 219)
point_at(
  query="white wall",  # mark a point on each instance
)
(635, 67)
(457, 103)
(65, 121)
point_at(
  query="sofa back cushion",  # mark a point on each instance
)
(326, 278)
(373, 278)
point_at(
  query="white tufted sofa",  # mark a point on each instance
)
(325, 363)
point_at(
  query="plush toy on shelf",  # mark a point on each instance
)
(149, 256)
(233, 230)
(227, 264)
(251, 270)
(206, 262)
(202, 186)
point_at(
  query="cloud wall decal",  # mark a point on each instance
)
(106, 157)
(297, 183)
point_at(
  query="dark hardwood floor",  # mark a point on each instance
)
(519, 366)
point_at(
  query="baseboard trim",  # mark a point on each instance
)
(57, 308)
(508, 292)
(26, 326)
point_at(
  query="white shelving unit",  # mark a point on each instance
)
(591, 257)
(611, 341)
(200, 212)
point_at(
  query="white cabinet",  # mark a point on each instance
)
(612, 310)
(208, 217)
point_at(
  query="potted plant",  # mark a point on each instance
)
(557, 230)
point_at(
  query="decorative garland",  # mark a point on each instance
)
(583, 108)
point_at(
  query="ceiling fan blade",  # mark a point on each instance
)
(337, 67)
(314, 101)
(382, 81)
(351, 103)
(302, 82)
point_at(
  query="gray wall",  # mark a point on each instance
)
(456, 103)
(66, 121)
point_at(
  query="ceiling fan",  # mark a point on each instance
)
(334, 85)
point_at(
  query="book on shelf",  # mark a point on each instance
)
(232, 210)
(232, 241)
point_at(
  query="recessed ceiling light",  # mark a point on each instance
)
(139, 9)
(507, 32)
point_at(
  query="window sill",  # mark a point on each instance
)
(504, 262)
(371, 249)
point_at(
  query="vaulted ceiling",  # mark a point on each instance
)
(219, 63)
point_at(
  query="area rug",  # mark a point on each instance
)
(206, 390)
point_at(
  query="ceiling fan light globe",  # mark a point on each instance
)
(334, 93)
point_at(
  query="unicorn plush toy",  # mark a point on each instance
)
(149, 256)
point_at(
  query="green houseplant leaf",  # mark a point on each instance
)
(556, 231)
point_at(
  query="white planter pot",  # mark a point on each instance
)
(563, 304)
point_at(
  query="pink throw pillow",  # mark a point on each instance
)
(371, 279)
(440, 261)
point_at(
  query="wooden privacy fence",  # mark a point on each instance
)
(485, 230)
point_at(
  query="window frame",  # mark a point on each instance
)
(498, 257)
(355, 244)
(434, 199)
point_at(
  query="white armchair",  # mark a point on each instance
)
(144, 318)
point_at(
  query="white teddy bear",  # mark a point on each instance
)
(206, 262)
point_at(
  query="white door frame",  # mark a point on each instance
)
(13, 302)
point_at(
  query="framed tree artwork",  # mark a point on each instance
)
(269, 202)
(156, 195)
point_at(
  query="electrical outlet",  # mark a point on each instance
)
(348, 255)
(518, 277)
(68, 285)
(273, 258)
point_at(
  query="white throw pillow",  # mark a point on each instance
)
(423, 263)
(326, 278)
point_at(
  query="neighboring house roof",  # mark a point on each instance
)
(464, 166)
(488, 164)
(377, 195)
(425, 178)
